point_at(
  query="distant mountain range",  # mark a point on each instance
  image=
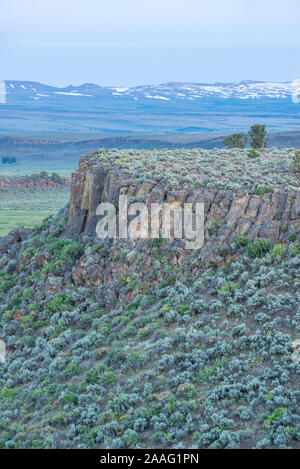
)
(165, 108)
(165, 92)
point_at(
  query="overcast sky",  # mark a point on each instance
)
(132, 42)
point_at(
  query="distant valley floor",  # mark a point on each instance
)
(59, 152)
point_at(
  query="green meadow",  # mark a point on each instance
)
(10, 219)
(29, 208)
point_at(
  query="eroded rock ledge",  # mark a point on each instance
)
(228, 215)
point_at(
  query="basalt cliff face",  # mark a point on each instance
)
(272, 216)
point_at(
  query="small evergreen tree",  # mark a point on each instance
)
(238, 140)
(258, 136)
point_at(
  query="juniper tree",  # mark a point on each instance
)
(258, 136)
(238, 140)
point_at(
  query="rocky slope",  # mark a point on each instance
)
(271, 212)
(143, 343)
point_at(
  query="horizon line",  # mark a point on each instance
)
(152, 84)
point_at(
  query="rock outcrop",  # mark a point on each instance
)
(227, 215)
(31, 182)
(13, 238)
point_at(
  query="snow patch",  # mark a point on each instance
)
(120, 90)
(157, 97)
(72, 94)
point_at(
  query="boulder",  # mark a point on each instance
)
(54, 283)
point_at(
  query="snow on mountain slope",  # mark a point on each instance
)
(245, 90)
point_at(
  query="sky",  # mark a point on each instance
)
(135, 42)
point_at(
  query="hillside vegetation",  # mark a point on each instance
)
(139, 343)
(236, 169)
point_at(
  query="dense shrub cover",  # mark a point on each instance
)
(155, 356)
(236, 169)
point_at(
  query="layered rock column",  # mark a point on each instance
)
(228, 215)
